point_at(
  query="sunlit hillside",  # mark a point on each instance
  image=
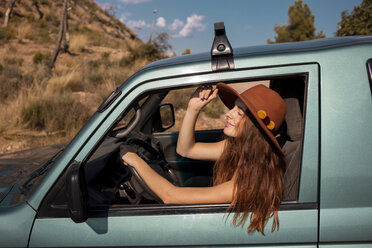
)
(42, 105)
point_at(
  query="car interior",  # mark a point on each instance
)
(146, 129)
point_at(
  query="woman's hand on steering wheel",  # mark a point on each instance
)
(201, 97)
(137, 183)
(128, 156)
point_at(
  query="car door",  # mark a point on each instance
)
(194, 225)
(346, 183)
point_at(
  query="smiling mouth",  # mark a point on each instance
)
(228, 124)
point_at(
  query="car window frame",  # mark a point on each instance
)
(308, 198)
(313, 76)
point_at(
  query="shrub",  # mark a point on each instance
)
(12, 72)
(28, 8)
(44, 2)
(105, 56)
(13, 61)
(8, 87)
(42, 23)
(95, 77)
(214, 109)
(53, 113)
(66, 82)
(75, 85)
(94, 63)
(78, 42)
(7, 34)
(125, 61)
(36, 73)
(74, 82)
(12, 49)
(42, 35)
(151, 51)
(179, 98)
(51, 17)
(40, 58)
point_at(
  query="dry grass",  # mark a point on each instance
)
(70, 81)
(36, 102)
(39, 111)
(78, 43)
(24, 31)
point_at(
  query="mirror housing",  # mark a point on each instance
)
(164, 117)
(76, 190)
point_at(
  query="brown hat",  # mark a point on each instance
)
(266, 106)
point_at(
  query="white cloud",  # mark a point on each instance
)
(161, 23)
(135, 1)
(124, 17)
(194, 24)
(177, 24)
(138, 24)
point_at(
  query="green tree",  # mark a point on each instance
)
(359, 22)
(187, 51)
(300, 25)
(153, 50)
(160, 43)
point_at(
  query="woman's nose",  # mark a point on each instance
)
(228, 114)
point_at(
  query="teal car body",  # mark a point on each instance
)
(332, 203)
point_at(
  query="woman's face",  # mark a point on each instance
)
(234, 121)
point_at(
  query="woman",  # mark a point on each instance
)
(249, 166)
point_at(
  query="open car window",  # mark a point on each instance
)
(110, 185)
(110, 182)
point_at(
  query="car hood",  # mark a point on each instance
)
(15, 169)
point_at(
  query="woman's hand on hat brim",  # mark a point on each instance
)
(201, 97)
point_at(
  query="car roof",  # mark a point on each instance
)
(201, 63)
(277, 48)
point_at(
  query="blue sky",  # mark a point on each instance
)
(248, 22)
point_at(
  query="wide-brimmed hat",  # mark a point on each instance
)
(265, 105)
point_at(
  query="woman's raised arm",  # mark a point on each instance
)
(186, 145)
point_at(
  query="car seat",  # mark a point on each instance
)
(291, 91)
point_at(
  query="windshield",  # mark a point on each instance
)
(25, 171)
(37, 175)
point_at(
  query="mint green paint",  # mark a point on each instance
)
(172, 230)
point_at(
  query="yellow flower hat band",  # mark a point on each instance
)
(265, 119)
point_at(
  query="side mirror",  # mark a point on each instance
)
(164, 117)
(76, 190)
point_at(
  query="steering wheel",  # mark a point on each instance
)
(149, 150)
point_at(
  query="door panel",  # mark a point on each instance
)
(297, 227)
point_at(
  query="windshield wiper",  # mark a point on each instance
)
(39, 171)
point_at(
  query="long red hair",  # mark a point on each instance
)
(257, 170)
